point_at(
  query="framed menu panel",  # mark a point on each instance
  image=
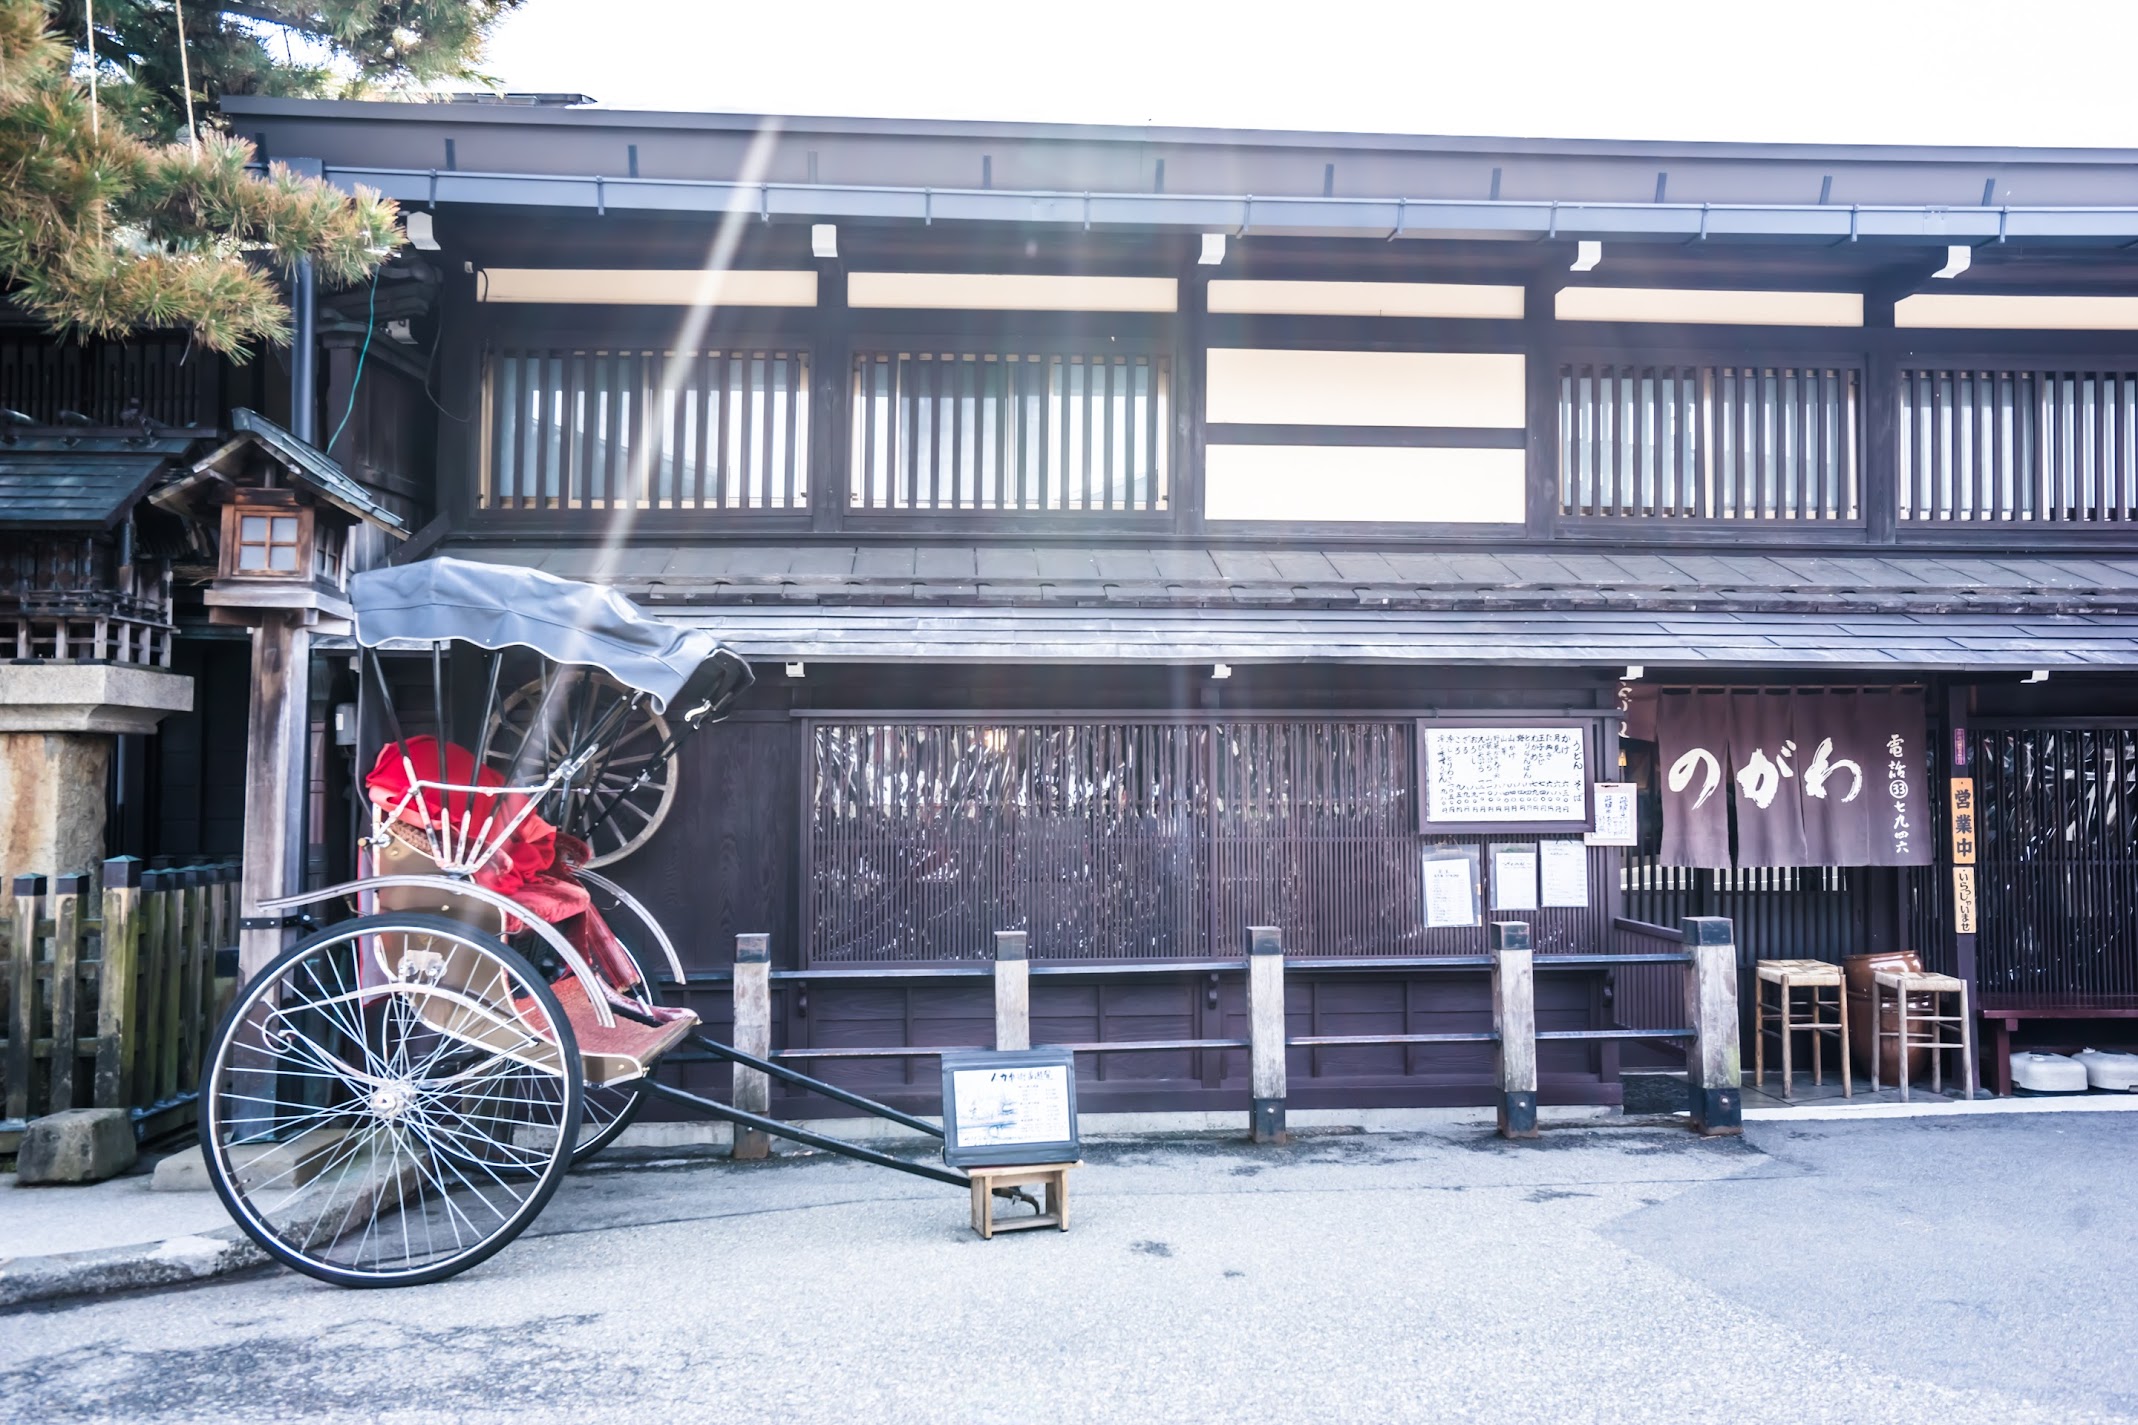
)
(1009, 1106)
(1486, 775)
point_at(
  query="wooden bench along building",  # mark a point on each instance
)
(1147, 534)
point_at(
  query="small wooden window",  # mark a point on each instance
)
(264, 538)
(267, 544)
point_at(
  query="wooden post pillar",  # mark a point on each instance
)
(1713, 1063)
(275, 787)
(1013, 991)
(752, 1088)
(23, 1029)
(118, 988)
(1265, 1033)
(1514, 1019)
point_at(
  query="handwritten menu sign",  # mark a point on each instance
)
(1009, 1106)
(1617, 815)
(1478, 776)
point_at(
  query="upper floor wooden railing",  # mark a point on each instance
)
(2018, 445)
(1797, 437)
(1709, 442)
(578, 428)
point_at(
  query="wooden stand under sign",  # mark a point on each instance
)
(986, 1182)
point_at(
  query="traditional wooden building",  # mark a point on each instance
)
(1145, 534)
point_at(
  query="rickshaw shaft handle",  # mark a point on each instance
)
(802, 1135)
(832, 1091)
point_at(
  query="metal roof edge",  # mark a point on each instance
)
(1241, 214)
(477, 115)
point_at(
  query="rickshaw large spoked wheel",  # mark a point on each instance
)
(390, 1101)
(630, 785)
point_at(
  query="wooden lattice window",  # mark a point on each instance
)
(266, 538)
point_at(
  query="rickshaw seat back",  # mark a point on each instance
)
(401, 856)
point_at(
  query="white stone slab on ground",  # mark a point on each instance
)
(36, 1221)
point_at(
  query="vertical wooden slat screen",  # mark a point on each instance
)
(646, 430)
(1780, 912)
(2013, 446)
(2057, 875)
(1769, 444)
(1010, 430)
(1130, 840)
(156, 376)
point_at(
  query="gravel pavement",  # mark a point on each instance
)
(1951, 1271)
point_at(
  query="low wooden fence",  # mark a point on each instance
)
(110, 997)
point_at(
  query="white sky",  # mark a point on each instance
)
(2013, 72)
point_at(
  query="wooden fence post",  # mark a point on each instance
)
(67, 893)
(22, 998)
(1714, 1064)
(118, 991)
(1013, 991)
(148, 1014)
(200, 974)
(1266, 1033)
(167, 890)
(752, 1088)
(1514, 1019)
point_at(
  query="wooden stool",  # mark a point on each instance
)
(986, 1182)
(1903, 984)
(1793, 975)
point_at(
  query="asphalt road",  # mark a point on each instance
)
(1955, 1271)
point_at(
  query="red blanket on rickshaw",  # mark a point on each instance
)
(535, 866)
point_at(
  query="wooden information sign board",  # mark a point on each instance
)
(1009, 1106)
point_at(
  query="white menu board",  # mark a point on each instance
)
(1563, 869)
(1000, 1107)
(1512, 777)
(1450, 889)
(1514, 877)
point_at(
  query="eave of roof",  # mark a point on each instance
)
(1242, 182)
(360, 112)
(80, 482)
(316, 470)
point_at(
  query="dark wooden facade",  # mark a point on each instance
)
(1039, 523)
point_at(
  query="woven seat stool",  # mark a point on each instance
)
(1924, 1028)
(1787, 1018)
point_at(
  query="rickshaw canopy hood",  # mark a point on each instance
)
(497, 606)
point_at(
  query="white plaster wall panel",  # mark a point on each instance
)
(1366, 299)
(1988, 311)
(1709, 308)
(649, 287)
(1357, 483)
(1366, 388)
(1011, 292)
